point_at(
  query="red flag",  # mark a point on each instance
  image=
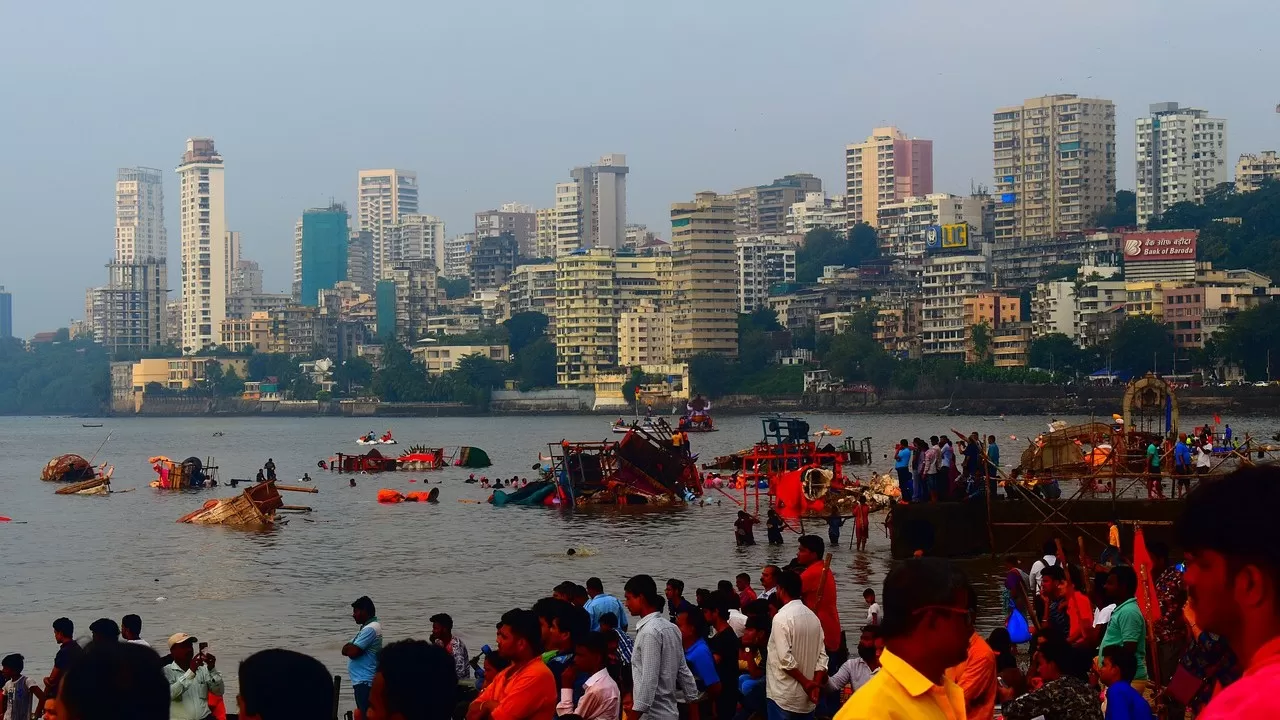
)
(1216, 420)
(1148, 602)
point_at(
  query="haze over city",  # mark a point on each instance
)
(494, 102)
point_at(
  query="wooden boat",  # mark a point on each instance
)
(100, 485)
(91, 425)
(254, 509)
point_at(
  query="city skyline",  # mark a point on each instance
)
(678, 140)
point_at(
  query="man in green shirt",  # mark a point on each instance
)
(1127, 627)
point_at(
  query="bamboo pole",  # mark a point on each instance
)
(295, 488)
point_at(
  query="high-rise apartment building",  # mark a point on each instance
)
(586, 319)
(1182, 154)
(1055, 167)
(326, 234)
(544, 245)
(762, 210)
(763, 261)
(419, 237)
(591, 209)
(886, 167)
(1252, 170)
(383, 196)
(493, 258)
(518, 221)
(203, 232)
(533, 289)
(140, 233)
(246, 278)
(360, 260)
(704, 272)
(457, 256)
(6, 313)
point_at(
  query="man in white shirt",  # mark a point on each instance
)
(1050, 559)
(769, 581)
(661, 678)
(796, 668)
(601, 699)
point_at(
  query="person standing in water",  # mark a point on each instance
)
(774, 525)
(743, 529)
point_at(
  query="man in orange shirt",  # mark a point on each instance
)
(1079, 611)
(526, 690)
(819, 592)
(976, 676)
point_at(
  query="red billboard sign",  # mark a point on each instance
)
(1160, 245)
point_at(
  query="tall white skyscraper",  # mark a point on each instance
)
(204, 251)
(140, 233)
(382, 197)
(1182, 154)
(591, 209)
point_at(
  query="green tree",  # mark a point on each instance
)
(1057, 352)
(1139, 345)
(1251, 240)
(401, 379)
(535, 366)
(1250, 340)
(354, 372)
(823, 247)
(524, 328)
(303, 388)
(711, 375)
(764, 319)
(980, 338)
(633, 384)
(455, 288)
(1120, 212)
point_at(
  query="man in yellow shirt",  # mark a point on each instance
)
(927, 626)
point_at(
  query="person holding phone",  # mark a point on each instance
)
(192, 678)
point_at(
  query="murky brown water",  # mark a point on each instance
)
(91, 557)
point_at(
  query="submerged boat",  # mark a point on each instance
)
(641, 468)
(254, 509)
(68, 468)
(99, 485)
(416, 458)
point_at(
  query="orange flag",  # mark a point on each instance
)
(1148, 602)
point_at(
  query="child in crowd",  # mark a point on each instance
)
(1123, 701)
(874, 613)
(18, 690)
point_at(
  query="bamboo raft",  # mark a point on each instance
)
(254, 509)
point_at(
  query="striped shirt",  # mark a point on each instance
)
(658, 669)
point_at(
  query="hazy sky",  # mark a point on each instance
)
(494, 101)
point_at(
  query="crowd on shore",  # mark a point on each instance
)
(1136, 638)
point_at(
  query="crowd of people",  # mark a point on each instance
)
(1122, 641)
(940, 470)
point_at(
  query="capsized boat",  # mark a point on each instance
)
(99, 485)
(189, 474)
(253, 509)
(68, 468)
(641, 468)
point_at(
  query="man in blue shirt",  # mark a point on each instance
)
(1181, 465)
(599, 603)
(362, 652)
(902, 464)
(993, 465)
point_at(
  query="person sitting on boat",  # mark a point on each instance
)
(387, 437)
(368, 437)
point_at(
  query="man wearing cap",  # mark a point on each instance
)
(192, 678)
